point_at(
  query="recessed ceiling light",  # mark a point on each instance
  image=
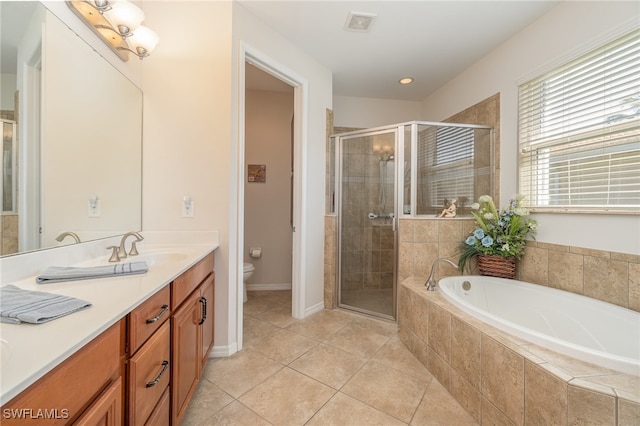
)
(359, 21)
(406, 80)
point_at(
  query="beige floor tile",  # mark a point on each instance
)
(282, 297)
(279, 316)
(207, 400)
(342, 410)
(257, 305)
(329, 365)
(254, 330)
(284, 346)
(396, 355)
(357, 340)
(287, 398)
(235, 414)
(439, 408)
(388, 390)
(240, 372)
(321, 325)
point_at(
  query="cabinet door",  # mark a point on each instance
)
(106, 410)
(207, 295)
(185, 354)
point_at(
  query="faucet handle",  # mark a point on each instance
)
(114, 254)
(134, 249)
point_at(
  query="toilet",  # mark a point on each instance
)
(247, 271)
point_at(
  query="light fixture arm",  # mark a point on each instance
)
(121, 34)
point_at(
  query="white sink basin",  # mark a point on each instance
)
(152, 257)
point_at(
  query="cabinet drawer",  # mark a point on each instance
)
(72, 386)
(182, 286)
(106, 410)
(149, 373)
(148, 317)
(160, 415)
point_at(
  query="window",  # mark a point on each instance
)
(579, 132)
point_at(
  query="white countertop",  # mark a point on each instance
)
(31, 350)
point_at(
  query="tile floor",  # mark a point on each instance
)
(332, 368)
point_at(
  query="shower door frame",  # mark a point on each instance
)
(338, 161)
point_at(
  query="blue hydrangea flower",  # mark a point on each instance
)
(487, 241)
(478, 233)
(470, 240)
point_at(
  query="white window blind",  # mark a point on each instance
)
(445, 164)
(579, 132)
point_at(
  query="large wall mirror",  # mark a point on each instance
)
(77, 143)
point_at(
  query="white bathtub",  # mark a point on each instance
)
(587, 329)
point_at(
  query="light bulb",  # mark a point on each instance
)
(143, 40)
(126, 16)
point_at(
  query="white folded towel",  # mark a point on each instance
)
(35, 307)
(56, 274)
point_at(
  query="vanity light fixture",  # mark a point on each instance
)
(406, 80)
(118, 24)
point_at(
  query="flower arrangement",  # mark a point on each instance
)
(499, 233)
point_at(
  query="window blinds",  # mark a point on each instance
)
(579, 132)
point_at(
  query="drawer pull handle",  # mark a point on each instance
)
(203, 301)
(165, 365)
(164, 310)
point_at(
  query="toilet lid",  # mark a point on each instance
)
(246, 267)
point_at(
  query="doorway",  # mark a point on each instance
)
(268, 195)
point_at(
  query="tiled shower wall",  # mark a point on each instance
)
(367, 244)
(8, 222)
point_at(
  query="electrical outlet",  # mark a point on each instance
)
(93, 207)
(187, 207)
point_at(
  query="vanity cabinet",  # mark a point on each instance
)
(85, 388)
(149, 362)
(192, 297)
(143, 370)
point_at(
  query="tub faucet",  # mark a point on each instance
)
(73, 235)
(122, 251)
(431, 282)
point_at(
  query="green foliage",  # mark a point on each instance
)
(500, 233)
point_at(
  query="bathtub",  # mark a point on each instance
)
(587, 329)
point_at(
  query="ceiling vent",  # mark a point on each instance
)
(359, 21)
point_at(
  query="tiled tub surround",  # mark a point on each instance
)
(608, 276)
(500, 379)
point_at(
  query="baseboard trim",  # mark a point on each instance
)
(266, 287)
(313, 309)
(223, 351)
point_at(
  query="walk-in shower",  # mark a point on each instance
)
(403, 170)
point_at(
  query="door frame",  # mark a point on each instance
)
(300, 87)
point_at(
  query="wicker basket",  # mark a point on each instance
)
(497, 266)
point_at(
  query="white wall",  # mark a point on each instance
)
(267, 204)
(248, 31)
(349, 111)
(8, 91)
(187, 131)
(563, 33)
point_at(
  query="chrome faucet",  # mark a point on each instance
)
(431, 282)
(122, 251)
(73, 235)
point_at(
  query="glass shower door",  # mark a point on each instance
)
(367, 212)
